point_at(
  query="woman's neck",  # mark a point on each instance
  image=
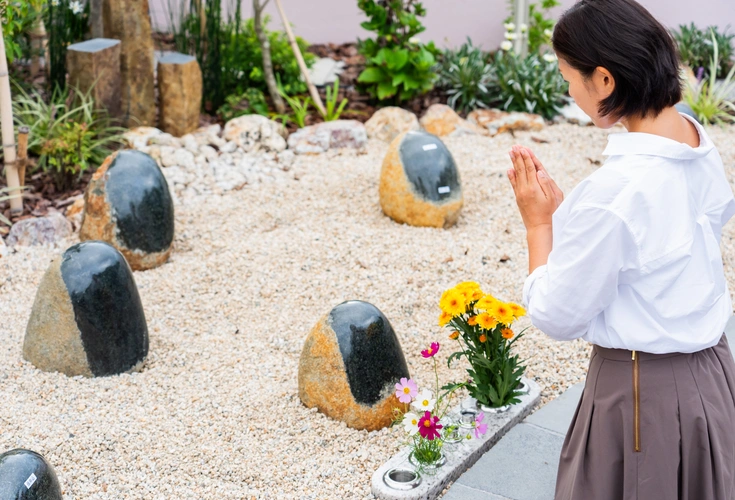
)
(669, 123)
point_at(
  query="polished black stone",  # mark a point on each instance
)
(370, 349)
(107, 307)
(429, 166)
(683, 107)
(25, 475)
(140, 200)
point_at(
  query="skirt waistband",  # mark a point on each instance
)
(626, 355)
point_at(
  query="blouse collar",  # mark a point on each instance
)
(641, 143)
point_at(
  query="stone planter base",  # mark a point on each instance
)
(460, 456)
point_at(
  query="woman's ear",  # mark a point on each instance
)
(604, 82)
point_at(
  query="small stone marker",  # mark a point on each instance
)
(350, 364)
(87, 318)
(419, 182)
(180, 92)
(130, 22)
(388, 123)
(26, 475)
(128, 205)
(95, 64)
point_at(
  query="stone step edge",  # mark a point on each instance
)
(460, 458)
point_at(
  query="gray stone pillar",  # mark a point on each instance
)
(96, 63)
(179, 93)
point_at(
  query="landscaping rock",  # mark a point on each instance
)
(177, 157)
(328, 135)
(26, 475)
(441, 120)
(75, 213)
(140, 137)
(419, 182)
(497, 121)
(390, 122)
(350, 364)
(128, 204)
(87, 318)
(3, 248)
(94, 66)
(574, 114)
(47, 230)
(180, 93)
(255, 132)
(129, 22)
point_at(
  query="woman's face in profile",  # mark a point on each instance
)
(588, 92)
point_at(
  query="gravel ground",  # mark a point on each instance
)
(215, 413)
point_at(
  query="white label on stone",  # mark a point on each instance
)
(443, 189)
(429, 147)
(29, 482)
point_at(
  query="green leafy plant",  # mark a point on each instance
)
(230, 55)
(299, 107)
(68, 134)
(398, 65)
(18, 18)
(249, 102)
(697, 48)
(532, 84)
(710, 99)
(540, 23)
(66, 23)
(333, 110)
(465, 76)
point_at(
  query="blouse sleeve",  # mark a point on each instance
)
(590, 254)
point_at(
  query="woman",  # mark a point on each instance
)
(630, 261)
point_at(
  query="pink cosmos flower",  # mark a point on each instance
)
(428, 426)
(406, 390)
(480, 428)
(431, 351)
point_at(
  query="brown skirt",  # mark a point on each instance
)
(685, 431)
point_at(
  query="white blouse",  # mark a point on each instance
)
(636, 260)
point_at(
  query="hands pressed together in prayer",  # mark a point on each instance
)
(537, 197)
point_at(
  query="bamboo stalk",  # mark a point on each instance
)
(300, 59)
(8, 135)
(22, 160)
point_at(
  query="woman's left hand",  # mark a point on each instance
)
(534, 190)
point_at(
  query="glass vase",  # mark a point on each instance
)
(427, 468)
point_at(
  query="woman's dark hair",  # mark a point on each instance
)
(624, 38)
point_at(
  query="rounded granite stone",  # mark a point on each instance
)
(350, 364)
(25, 475)
(87, 318)
(419, 182)
(128, 205)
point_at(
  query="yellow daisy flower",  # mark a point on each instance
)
(501, 312)
(444, 318)
(453, 302)
(518, 311)
(486, 302)
(507, 333)
(471, 290)
(486, 321)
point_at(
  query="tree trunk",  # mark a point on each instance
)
(265, 47)
(38, 45)
(96, 26)
(8, 134)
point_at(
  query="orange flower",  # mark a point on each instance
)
(454, 335)
(483, 338)
(472, 321)
(507, 333)
(444, 318)
(486, 321)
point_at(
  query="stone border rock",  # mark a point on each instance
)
(461, 457)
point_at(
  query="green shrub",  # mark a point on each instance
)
(18, 19)
(67, 134)
(465, 77)
(230, 55)
(697, 48)
(252, 101)
(710, 99)
(66, 23)
(532, 84)
(397, 64)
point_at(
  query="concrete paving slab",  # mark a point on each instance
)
(461, 492)
(522, 466)
(557, 415)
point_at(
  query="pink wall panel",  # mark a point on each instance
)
(449, 22)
